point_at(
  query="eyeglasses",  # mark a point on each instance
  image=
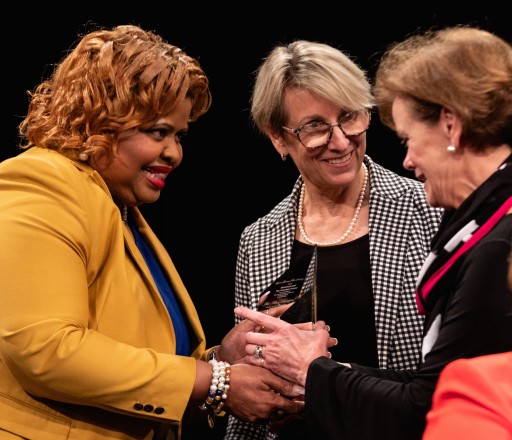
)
(318, 134)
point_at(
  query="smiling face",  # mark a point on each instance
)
(136, 173)
(427, 155)
(328, 167)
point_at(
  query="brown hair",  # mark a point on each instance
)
(462, 68)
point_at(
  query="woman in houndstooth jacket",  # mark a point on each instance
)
(371, 227)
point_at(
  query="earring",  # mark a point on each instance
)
(283, 156)
(84, 157)
(451, 148)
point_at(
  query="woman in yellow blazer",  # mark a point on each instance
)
(99, 338)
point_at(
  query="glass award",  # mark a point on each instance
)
(296, 286)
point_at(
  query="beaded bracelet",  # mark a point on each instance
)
(218, 390)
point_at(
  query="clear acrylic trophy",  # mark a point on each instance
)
(296, 286)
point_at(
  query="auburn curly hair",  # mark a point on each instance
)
(112, 81)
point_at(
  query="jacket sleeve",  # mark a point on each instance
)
(344, 402)
(473, 400)
(466, 322)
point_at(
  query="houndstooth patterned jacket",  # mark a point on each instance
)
(401, 226)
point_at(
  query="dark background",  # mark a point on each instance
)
(230, 174)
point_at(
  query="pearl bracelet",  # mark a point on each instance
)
(218, 390)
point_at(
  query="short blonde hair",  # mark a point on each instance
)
(316, 67)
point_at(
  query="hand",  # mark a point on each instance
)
(232, 347)
(255, 394)
(287, 349)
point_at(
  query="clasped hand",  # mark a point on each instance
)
(286, 350)
(283, 348)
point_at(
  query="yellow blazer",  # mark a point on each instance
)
(87, 347)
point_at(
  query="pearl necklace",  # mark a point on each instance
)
(352, 223)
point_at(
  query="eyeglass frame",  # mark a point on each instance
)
(296, 131)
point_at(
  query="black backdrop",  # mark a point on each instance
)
(230, 175)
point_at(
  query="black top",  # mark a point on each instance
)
(344, 298)
(344, 302)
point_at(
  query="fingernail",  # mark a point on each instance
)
(297, 389)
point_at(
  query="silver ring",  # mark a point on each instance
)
(258, 352)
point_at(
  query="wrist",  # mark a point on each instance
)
(218, 392)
